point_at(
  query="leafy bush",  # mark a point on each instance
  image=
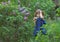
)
(14, 29)
(58, 11)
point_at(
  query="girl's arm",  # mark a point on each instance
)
(42, 17)
(44, 22)
(34, 19)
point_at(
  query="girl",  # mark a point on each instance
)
(39, 21)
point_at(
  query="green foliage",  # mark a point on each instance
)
(3, 0)
(13, 28)
(58, 12)
(47, 6)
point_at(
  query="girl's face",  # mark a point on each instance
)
(39, 14)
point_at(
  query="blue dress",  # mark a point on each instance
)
(39, 23)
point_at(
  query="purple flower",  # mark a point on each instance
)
(25, 18)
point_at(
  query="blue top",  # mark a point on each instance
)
(40, 22)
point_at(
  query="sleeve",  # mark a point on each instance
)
(44, 22)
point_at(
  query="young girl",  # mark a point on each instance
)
(39, 21)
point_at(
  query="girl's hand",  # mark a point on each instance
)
(41, 16)
(34, 18)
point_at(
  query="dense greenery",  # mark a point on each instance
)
(13, 28)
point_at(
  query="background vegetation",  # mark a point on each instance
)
(13, 28)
